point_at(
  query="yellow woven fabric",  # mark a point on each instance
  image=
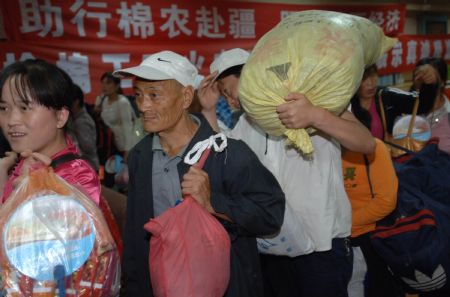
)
(321, 54)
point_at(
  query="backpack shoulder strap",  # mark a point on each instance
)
(382, 113)
(64, 159)
(102, 100)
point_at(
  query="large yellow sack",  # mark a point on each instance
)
(321, 54)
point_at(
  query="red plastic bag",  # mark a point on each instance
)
(189, 252)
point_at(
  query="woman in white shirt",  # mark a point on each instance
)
(117, 114)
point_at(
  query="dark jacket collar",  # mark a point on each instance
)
(203, 132)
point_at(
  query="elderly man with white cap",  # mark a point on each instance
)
(233, 185)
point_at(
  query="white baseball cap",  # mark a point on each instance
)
(161, 66)
(198, 80)
(228, 59)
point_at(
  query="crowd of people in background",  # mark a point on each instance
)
(247, 188)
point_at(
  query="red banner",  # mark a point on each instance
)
(87, 38)
(410, 49)
(86, 62)
(180, 21)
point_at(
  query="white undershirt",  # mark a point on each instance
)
(314, 188)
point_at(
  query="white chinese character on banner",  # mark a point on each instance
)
(393, 20)
(437, 44)
(382, 62)
(242, 23)
(50, 10)
(447, 50)
(139, 16)
(78, 19)
(411, 54)
(285, 13)
(31, 18)
(397, 53)
(196, 60)
(77, 67)
(117, 60)
(425, 49)
(209, 23)
(377, 17)
(178, 19)
(11, 58)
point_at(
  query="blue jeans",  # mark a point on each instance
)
(319, 274)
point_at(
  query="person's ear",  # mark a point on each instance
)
(234, 103)
(188, 96)
(62, 116)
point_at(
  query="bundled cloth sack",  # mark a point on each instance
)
(321, 54)
(55, 242)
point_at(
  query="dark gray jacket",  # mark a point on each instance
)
(242, 188)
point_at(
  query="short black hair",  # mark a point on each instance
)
(110, 77)
(114, 79)
(432, 90)
(369, 70)
(235, 70)
(438, 64)
(40, 81)
(362, 114)
(78, 94)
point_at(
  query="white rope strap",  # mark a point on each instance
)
(196, 152)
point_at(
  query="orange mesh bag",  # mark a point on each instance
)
(189, 251)
(55, 242)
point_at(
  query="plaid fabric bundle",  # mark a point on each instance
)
(224, 112)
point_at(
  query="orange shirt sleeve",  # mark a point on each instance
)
(384, 184)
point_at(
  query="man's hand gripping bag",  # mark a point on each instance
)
(189, 251)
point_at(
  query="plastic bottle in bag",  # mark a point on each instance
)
(55, 241)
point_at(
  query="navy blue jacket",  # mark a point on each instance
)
(242, 188)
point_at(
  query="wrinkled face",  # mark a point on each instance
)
(109, 86)
(228, 87)
(28, 125)
(368, 87)
(162, 103)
